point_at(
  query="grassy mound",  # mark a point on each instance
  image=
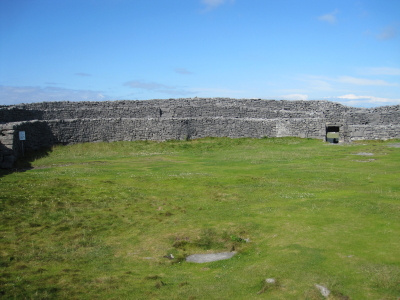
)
(100, 221)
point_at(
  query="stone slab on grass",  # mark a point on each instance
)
(203, 258)
(396, 145)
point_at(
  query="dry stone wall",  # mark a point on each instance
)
(124, 129)
(50, 123)
(368, 132)
(38, 135)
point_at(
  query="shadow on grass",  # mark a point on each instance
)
(24, 163)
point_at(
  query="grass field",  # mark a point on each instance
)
(93, 221)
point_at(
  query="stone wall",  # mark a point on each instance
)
(38, 136)
(49, 123)
(178, 108)
(374, 132)
(158, 129)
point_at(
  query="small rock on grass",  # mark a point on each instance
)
(204, 258)
(324, 291)
(269, 282)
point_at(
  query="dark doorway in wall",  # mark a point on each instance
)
(332, 134)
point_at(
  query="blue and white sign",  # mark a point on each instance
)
(22, 135)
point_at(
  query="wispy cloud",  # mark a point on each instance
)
(175, 90)
(362, 12)
(211, 4)
(330, 18)
(320, 84)
(157, 87)
(83, 74)
(182, 71)
(363, 81)
(295, 97)
(359, 100)
(150, 86)
(317, 83)
(324, 82)
(381, 71)
(28, 94)
(387, 33)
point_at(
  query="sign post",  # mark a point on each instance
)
(22, 139)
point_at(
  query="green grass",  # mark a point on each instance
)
(93, 221)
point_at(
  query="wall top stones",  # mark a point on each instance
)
(201, 107)
(317, 105)
(271, 104)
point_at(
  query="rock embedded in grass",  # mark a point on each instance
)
(323, 290)
(396, 145)
(203, 258)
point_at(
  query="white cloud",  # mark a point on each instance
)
(26, 94)
(295, 97)
(358, 100)
(210, 4)
(182, 71)
(387, 33)
(381, 71)
(157, 87)
(363, 81)
(330, 18)
(352, 96)
(322, 82)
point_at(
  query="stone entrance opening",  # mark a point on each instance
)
(332, 134)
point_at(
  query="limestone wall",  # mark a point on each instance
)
(373, 132)
(172, 108)
(38, 135)
(124, 129)
(50, 123)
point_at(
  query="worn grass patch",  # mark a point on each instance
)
(116, 221)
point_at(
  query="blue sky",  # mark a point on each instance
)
(90, 50)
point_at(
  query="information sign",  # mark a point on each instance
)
(22, 135)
